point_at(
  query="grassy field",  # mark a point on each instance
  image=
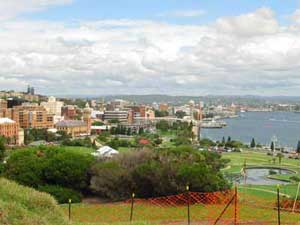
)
(256, 202)
(23, 206)
(254, 158)
(83, 214)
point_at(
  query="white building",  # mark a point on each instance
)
(106, 152)
(53, 106)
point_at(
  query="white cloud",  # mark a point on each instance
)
(295, 17)
(183, 13)
(259, 22)
(248, 54)
(12, 8)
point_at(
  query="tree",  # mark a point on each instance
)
(2, 148)
(163, 125)
(229, 139)
(180, 114)
(223, 141)
(141, 131)
(42, 166)
(280, 156)
(158, 173)
(207, 143)
(253, 144)
(298, 147)
(272, 146)
(98, 123)
(159, 113)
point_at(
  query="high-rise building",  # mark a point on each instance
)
(53, 106)
(31, 116)
(121, 116)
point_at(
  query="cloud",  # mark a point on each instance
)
(295, 17)
(183, 13)
(247, 54)
(12, 8)
(260, 22)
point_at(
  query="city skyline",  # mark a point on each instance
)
(66, 47)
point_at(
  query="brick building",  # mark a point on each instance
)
(29, 116)
(10, 130)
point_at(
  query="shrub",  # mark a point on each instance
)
(41, 166)
(158, 173)
(295, 178)
(272, 172)
(61, 194)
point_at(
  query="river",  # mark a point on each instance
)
(262, 126)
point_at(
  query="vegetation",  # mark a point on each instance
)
(298, 147)
(61, 194)
(98, 123)
(158, 173)
(43, 166)
(180, 114)
(2, 149)
(159, 113)
(84, 142)
(253, 143)
(22, 206)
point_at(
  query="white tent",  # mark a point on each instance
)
(105, 151)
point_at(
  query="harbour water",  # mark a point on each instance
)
(262, 126)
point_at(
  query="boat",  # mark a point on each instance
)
(213, 124)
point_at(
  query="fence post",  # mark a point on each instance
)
(295, 201)
(235, 204)
(278, 205)
(70, 204)
(132, 204)
(188, 203)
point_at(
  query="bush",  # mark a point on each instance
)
(42, 166)
(61, 194)
(158, 173)
(272, 172)
(295, 178)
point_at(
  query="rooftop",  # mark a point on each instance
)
(6, 120)
(70, 123)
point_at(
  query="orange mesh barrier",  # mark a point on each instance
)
(226, 208)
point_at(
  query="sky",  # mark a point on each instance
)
(191, 47)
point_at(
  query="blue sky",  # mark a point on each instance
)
(186, 47)
(151, 9)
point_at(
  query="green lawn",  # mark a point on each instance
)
(254, 158)
(118, 214)
(83, 150)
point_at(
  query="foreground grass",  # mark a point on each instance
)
(24, 206)
(118, 214)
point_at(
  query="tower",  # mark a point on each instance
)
(200, 116)
(87, 111)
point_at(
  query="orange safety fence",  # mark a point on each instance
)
(227, 207)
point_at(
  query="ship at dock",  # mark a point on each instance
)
(210, 123)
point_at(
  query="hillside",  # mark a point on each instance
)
(23, 206)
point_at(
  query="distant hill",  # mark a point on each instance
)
(24, 206)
